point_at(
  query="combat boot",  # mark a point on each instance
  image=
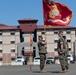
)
(67, 70)
(42, 71)
(63, 71)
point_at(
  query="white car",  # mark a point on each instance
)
(36, 61)
(70, 58)
(20, 60)
(50, 60)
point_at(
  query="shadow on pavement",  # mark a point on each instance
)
(53, 71)
(35, 71)
(47, 72)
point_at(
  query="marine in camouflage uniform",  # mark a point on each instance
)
(42, 52)
(66, 54)
(62, 51)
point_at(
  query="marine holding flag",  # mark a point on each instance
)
(56, 14)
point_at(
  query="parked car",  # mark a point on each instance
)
(70, 58)
(20, 60)
(36, 61)
(50, 60)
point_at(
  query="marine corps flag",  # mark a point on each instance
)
(56, 14)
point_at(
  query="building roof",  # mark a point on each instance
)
(1, 25)
(5, 27)
(55, 27)
(32, 28)
(30, 25)
(28, 19)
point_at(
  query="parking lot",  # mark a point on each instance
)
(51, 69)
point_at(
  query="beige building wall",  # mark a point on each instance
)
(0, 37)
(27, 38)
(9, 50)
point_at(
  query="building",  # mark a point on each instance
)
(12, 36)
(9, 38)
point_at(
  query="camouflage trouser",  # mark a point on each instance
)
(66, 62)
(42, 61)
(62, 62)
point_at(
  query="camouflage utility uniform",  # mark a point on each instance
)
(66, 54)
(42, 53)
(62, 54)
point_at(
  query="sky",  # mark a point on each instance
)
(13, 10)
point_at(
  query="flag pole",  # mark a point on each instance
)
(30, 53)
(45, 31)
(44, 20)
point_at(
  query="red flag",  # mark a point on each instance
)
(56, 14)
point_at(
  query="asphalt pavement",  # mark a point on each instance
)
(52, 69)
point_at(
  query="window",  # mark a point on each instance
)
(69, 49)
(68, 40)
(43, 32)
(56, 40)
(55, 49)
(0, 41)
(68, 31)
(12, 32)
(55, 31)
(12, 42)
(12, 59)
(0, 51)
(34, 47)
(12, 50)
(0, 33)
(1, 59)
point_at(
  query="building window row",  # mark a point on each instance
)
(55, 49)
(67, 31)
(56, 32)
(12, 42)
(12, 59)
(11, 33)
(12, 50)
(56, 41)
